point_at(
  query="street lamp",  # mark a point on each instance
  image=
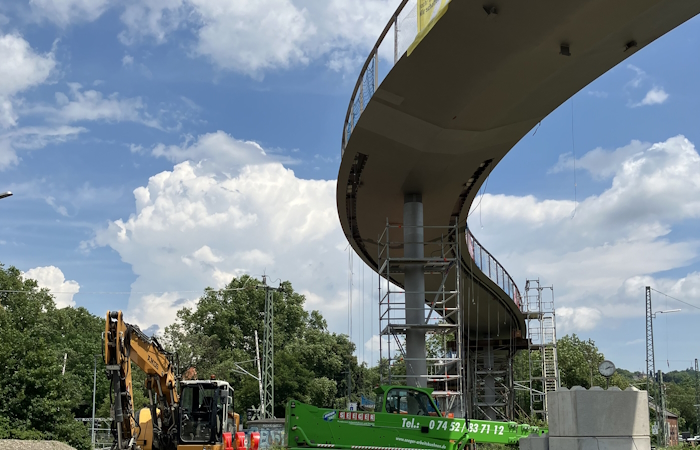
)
(5, 194)
(653, 316)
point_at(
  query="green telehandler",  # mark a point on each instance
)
(403, 418)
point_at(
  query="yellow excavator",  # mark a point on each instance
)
(197, 416)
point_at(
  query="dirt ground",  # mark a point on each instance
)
(12, 444)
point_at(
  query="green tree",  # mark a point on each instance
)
(39, 402)
(579, 361)
(578, 366)
(680, 398)
(311, 363)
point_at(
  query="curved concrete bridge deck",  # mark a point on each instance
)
(445, 115)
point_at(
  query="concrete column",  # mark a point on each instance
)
(414, 283)
(489, 384)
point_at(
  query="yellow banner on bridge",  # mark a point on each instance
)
(429, 10)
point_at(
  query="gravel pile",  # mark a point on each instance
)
(13, 444)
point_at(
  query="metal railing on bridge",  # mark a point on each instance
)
(402, 29)
(492, 268)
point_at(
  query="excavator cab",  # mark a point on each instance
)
(206, 412)
(200, 416)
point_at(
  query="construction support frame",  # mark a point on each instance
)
(543, 366)
(441, 319)
(490, 379)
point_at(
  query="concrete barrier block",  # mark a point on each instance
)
(534, 443)
(600, 443)
(561, 410)
(580, 412)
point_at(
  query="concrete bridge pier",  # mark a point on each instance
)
(414, 284)
(489, 385)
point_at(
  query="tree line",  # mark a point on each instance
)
(40, 400)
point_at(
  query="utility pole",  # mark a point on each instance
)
(349, 385)
(661, 413)
(697, 399)
(260, 383)
(94, 389)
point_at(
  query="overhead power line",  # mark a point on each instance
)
(676, 299)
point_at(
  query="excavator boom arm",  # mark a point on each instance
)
(124, 343)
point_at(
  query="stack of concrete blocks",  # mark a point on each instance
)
(595, 419)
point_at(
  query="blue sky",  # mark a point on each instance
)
(158, 147)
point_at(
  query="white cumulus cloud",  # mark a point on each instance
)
(199, 225)
(616, 242)
(252, 37)
(600, 163)
(217, 147)
(577, 319)
(255, 37)
(52, 278)
(655, 96)
(20, 68)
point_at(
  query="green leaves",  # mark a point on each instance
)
(218, 337)
(578, 366)
(310, 363)
(38, 401)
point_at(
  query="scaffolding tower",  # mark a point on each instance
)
(443, 319)
(491, 380)
(538, 308)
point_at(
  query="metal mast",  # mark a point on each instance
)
(658, 401)
(268, 357)
(651, 366)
